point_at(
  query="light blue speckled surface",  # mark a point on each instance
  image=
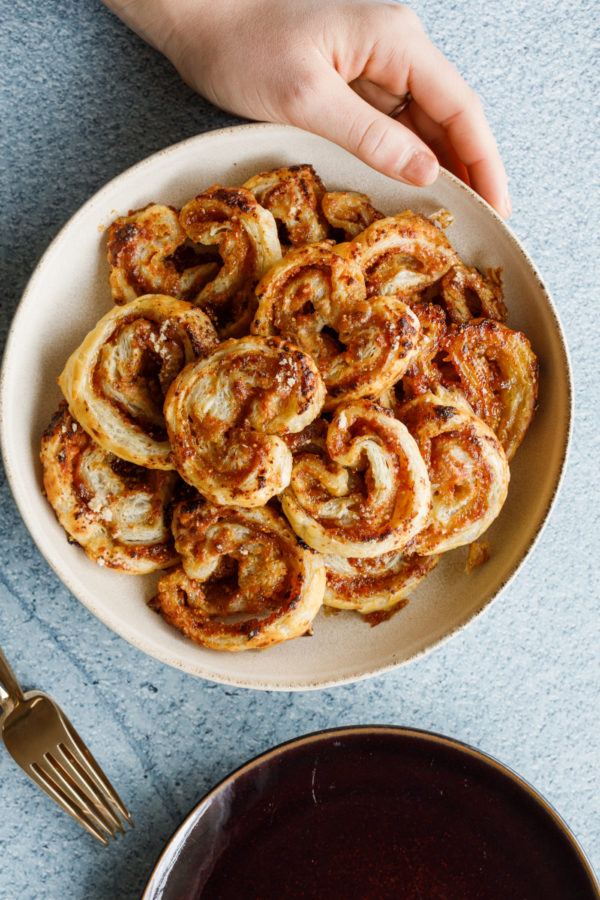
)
(84, 99)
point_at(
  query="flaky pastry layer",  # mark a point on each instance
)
(467, 468)
(145, 254)
(116, 380)
(245, 235)
(400, 254)
(497, 371)
(368, 494)
(349, 211)
(245, 583)
(293, 196)
(115, 510)
(317, 299)
(226, 416)
(372, 585)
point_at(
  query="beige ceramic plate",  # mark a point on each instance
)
(69, 292)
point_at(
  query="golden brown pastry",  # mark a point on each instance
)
(145, 256)
(367, 495)
(245, 234)
(349, 211)
(497, 371)
(317, 299)
(467, 468)
(466, 294)
(423, 374)
(371, 585)
(239, 563)
(116, 380)
(226, 415)
(401, 254)
(113, 509)
(293, 195)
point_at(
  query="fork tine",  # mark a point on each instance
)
(85, 793)
(82, 755)
(93, 795)
(62, 780)
(44, 780)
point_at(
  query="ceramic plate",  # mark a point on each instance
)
(68, 293)
(372, 812)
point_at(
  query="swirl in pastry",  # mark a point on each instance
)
(497, 371)
(245, 235)
(400, 254)
(113, 509)
(372, 585)
(116, 380)
(349, 211)
(246, 581)
(146, 256)
(317, 299)
(467, 468)
(368, 495)
(423, 375)
(293, 195)
(226, 415)
(466, 294)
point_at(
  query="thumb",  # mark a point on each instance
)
(333, 110)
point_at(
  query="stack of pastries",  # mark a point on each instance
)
(295, 401)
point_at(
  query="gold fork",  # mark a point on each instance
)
(43, 742)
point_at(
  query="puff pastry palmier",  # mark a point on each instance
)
(422, 374)
(226, 415)
(113, 509)
(400, 254)
(466, 294)
(372, 585)
(245, 235)
(497, 371)
(293, 195)
(349, 211)
(369, 494)
(317, 299)
(467, 468)
(145, 256)
(246, 581)
(116, 380)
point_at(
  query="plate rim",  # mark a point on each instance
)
(398, 732)
(127, 632)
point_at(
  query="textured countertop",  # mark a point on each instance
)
(83, 99)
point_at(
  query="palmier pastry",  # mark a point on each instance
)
(349, 211)
(402, 253)
(245, 235)
(372, 585)
(422, 374)
(116, 380)
(146, 256)
(467, 468)
(497, 371)
(293, 195)
(317, 299)
(226, 414)
(113, 509)
(466, 294)
(369, 494)
(239, 563)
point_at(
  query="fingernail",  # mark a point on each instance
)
(507, 203)
(421, 168)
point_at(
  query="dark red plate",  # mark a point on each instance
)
(372, 812)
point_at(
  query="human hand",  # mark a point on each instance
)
(337, 68)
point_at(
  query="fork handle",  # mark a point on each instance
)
(9, 681)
